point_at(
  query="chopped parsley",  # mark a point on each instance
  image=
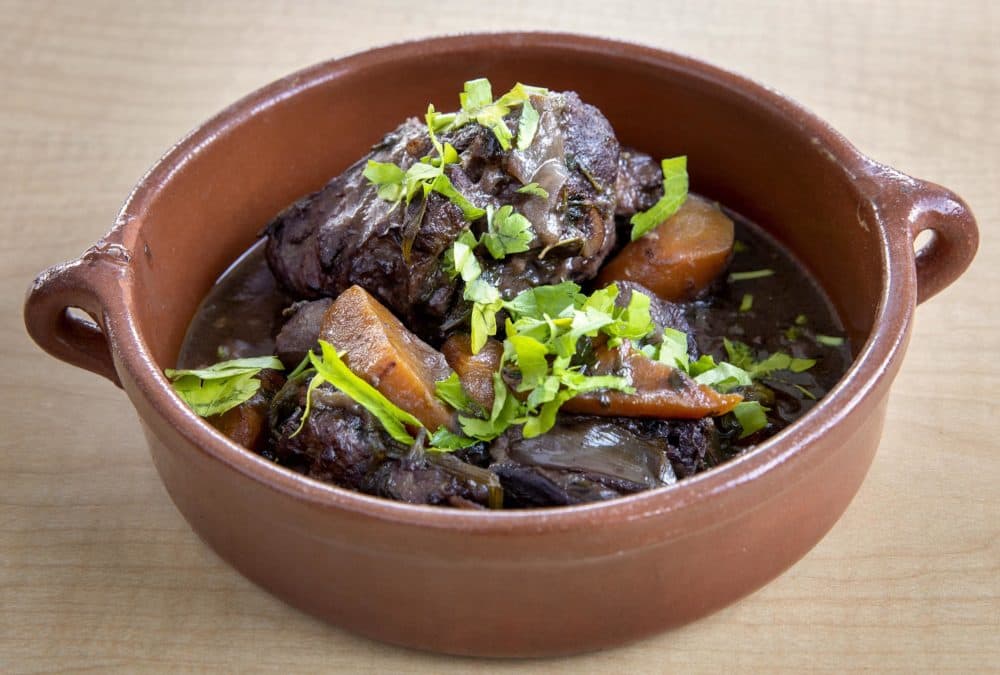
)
(507, 232)
(331, 369)
(741, 355)
(220, 387)
(477, 105)
(752, 417)
(829, 340)
(746, 304)
(753, 274)
(533, 189)
(675, 191)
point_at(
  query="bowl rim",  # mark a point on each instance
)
(875, 359)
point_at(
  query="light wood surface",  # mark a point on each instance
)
(97, 569)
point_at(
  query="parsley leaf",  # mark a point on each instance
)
(751, 415)
(741, 355)
(460, 259)
(443, 440)
(451, 392)
(505, 408)
(478, 105)
(220, 387)
(331, 369)
(388, 179)
(533, 189)
(675, 191)
(507, 232)
(486, 302)
(724, 376)
(527, 126)
(747, 276)
(674, 349)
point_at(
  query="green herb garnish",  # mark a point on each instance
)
(527, 126)
(741, 355)
(507, 232)
(752, 417)
(451, 392)
(747, 276)
(422, 177)
(533, 189)
(829, 340)
(486, 302)
(330, 369)
(220, 387)
(675, 191)
(477, 105)
(746, 304)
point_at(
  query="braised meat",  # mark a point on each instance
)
(345, 234)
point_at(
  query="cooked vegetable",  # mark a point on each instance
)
(659, 390)
(681, 256)
(675, 192)
(379, 349)
(475, 371)
(331, 369)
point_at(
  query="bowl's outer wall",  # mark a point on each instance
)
(516, 593)
(509, 584)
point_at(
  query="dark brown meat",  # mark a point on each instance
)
(434, 478)
(581, 459)
(300, 332)
(692, 446)
(343, 444)
(339, 443)
(345, 234)
(639, 184)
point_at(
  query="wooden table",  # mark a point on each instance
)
(98, 570)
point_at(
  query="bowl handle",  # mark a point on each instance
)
(925, 206)
(86, 284)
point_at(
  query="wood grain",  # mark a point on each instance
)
(99, 572)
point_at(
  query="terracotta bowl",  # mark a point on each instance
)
(526, 583)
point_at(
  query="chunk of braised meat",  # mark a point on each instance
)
(300, 332)
(639, 184)
(533, 486)
(436, 478)
(340, 442)
(246, 424)
(692, 446)
(345, 234)
(581, 459)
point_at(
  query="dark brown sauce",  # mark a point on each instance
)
(242, 313)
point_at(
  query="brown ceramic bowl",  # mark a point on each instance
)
(509, 583)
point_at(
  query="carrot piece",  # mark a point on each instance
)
(681, 256)
(378, 348)
(660, 390)
(474, 370)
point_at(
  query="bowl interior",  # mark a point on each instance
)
(214, 193)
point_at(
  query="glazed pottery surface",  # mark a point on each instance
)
(537, 582)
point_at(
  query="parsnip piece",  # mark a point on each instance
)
(378, 348)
